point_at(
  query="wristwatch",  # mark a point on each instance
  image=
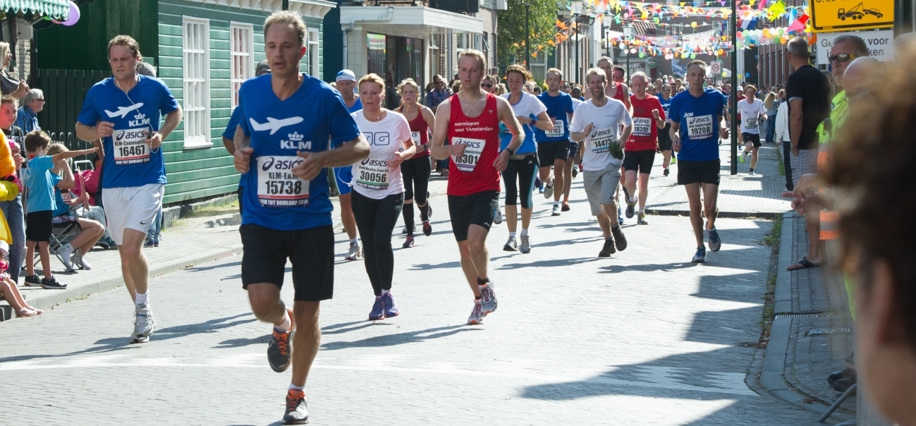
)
(510, 151)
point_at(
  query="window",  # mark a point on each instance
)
(195, 34)
(241, 52)
(313, 68)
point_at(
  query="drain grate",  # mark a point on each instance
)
(805, 315)
(825, 331)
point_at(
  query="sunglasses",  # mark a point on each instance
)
(486, 85)
(841, 57)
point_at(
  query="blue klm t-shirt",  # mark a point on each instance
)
(128, 160)
(666, 103)
(275, 198)
(557, 107)
(699, 121)
(39, 179)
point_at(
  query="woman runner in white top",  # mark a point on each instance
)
(378, 190)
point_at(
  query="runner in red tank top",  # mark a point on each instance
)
(648, 117)
(470, 120)
(618, 90)
(416, 170)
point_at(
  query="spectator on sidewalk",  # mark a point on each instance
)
(878, 254)
(73, 253)
(12, 209)
(32, 104)
(9, 291)
(807, 91)
(40, 205)
(8, 85)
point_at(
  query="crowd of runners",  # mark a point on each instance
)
(289, 129)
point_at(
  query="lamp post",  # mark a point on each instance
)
(527, 38)
(577, 10)
(627, 34)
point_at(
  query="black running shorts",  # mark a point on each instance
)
(641, 160)
(311, 251)
(550, 151)
(474, 209)
(697, 172)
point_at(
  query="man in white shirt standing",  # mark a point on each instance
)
(598, 122)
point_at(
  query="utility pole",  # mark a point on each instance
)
(285, 5)
(733, 133)
(577, 50)
(527, 38)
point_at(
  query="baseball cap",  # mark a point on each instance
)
(740, 89)
(346, 75)
(262, 68)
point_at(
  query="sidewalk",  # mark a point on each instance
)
(200, 238)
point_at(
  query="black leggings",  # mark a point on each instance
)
(375, 220)
(415, 173)
(525, 170)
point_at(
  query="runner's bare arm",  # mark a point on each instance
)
(97, 143)
(507, 117)
(409, 150)
(345, 154)
(102, 129)
(171, 122)
(229, 144)
(544, 122)
(723, 131)
(626, 93)
(438, 150)
(626, 133)
(430, 118)
(675, 135)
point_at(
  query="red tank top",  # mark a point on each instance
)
(419, 133)
(620, 95)
(473, 172)
(644, 135)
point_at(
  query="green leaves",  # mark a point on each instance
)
(542, 15)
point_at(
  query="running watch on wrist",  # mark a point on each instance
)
(510, 151)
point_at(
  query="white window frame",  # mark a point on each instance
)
(195, 51)
(313, 43)
(241, 53)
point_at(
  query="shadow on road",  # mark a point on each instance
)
(400, 338)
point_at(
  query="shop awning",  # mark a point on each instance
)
(57, 9)
(416, 21)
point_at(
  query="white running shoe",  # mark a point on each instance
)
(354, 252)
(498, 217)
(144, 324)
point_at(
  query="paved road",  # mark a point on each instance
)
(642, 338)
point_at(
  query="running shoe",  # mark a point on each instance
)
(715, 243)
(751, 173)
(511, 245)
(743, 156)
(353, 254)
(427, 228)
(52, 283)
(391, 308)
(279, 349)
(498, 217)
(31, 280)
(700, 256)
(149, 244)
(404, 231)
(378, 309)
(556, 210)
(144, 324)
(297, 410)
(548, 191)
(665, 172)
(488, 299)
(526, 245)
(565, 207)
(673, 160)
(575, 172)
(476, 315)
(619, 214)
(65, 251)
(429, 208)
(608, 248)
(642, 219)
(408, 243)
(619, 239)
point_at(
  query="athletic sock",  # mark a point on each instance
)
(354, 241)
(294, 387)
(287, 323)
(482, 282)
(384, 292)
(556, 203)
(512, 235)
(407, 212)
(524, 232)
(142, 298)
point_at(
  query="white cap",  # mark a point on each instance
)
(346, 75)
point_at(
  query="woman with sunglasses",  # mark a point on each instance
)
(489, 84)
(416, 170)
(523, 165)
(378, 190)
(664, 135)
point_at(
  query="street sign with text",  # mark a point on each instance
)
(845, 15)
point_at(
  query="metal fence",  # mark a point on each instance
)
(73, 143)
(64, 91)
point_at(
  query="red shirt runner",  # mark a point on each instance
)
(419, 133)
(644, 136)
(620, 95)
(473, 172)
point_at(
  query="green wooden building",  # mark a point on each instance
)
(202, 49)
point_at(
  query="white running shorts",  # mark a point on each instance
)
(132, 207)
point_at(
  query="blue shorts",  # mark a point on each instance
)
(344, 177)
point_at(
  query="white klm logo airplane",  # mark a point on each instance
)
(273, 124)
(122, 111)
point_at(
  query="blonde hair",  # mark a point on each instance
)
(288, 18)
(596, 71)
(481, 59)
(408, 82)
(129, 42)
(4, 49)
(555, 71)
(373, 78)
(57, 148)
(768, 102)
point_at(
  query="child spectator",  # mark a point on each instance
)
(40, 204)
(10, 292)
(90, 230)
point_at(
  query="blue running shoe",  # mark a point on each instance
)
(377, 312)
(391, 309)
(715, 243)
(619, 215)
(700, 257)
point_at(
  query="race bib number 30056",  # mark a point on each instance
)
(372, 174)
(130, 146)
(277, 186)
(699, 127)
(473, 148)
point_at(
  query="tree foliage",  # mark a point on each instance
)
(511, 33)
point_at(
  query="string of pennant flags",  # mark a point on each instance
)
(751, 15)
